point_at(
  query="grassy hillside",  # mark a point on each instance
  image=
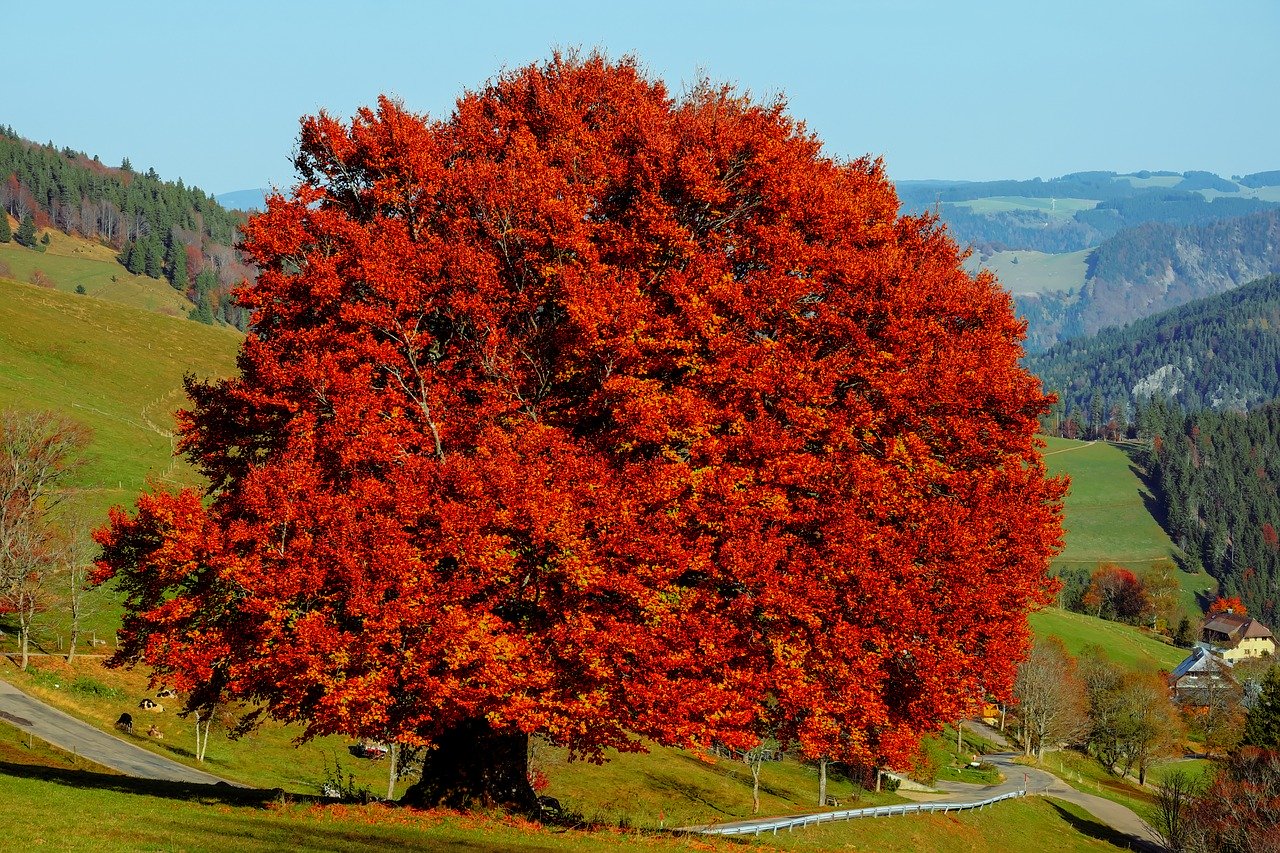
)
(1026, 271)
(1124, 644)
(1109, 519)
(1109, 513)
(117, 369)
(1064, 208)
(71, 262)
(41, 787)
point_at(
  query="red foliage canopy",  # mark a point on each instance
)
(1228, 604)
(597, 413)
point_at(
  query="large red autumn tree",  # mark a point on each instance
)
(605, 415)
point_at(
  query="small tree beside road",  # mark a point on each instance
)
(38, 450)
(1051, 698)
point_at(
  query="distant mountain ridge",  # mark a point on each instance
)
(1154, 267)
(996, 215)
(1221, 352)
(246, 200)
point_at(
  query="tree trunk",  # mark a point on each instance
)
(822, 781)
(393, 772)
(26, 613)
(473, 766)
(24, 638)
(755, 782)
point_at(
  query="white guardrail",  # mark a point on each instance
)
(755, 828)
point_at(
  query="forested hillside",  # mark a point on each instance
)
(161, 229)
(1222, 352)
(1217, 474)
(1147, 269)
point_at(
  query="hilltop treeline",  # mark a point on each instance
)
(161, 228)
(1222, 352)
(1216, 475)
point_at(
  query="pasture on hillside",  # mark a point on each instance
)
(1125, 645)
(45, 791)
(1060, 208)
(1029, 271)
(71, 262)
(1111, 513)
(118, 370)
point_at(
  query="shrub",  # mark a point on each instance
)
(41, 279)
(86, 686)
(43, 678)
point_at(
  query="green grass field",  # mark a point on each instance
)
(665, 786)
(1124, 644)
(1061, 208)
(69, 262)
(52, 799)
(1151, 181)
(1109, 513)
(1261, 193)
(1034, 272)
(119, 371)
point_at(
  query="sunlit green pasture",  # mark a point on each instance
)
(1026, 271)
(1062, 208)
(1126, 645)
(71, 262)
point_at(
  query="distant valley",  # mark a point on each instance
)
(1095, 249)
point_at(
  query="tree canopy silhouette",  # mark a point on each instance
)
(605, 415)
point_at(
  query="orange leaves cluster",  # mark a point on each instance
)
(1228, 604)
(599, 413)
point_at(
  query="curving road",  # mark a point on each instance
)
(1118, 817)
(1018, 777)
(67, 733)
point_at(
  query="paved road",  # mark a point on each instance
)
(1036, 781)
(1118, 817)
(51, 725)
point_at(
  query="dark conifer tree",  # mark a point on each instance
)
(26, 235)
(154, 260)
(1262, 726)
(177, 265)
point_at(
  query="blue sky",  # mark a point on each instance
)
(212, 92)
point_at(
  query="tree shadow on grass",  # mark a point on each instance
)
(1102, 832)
(219, 793)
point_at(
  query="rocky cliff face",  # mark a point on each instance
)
(1152, 268)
